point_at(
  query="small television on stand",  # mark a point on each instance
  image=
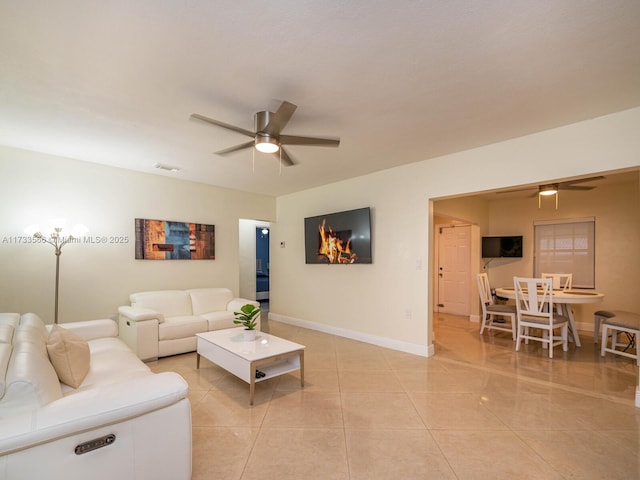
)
(502, 247)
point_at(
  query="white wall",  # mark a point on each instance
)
(96, 278)
(371, 301)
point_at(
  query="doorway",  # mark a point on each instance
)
(453, 269)
(262, 264)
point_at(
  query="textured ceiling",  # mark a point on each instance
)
(115, 82)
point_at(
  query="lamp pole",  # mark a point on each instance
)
(58, 241)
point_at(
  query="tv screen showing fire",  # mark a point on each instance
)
(339, 238)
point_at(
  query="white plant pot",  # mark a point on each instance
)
(249, 335)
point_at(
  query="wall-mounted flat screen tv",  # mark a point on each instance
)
(498, 247)
(340, 238)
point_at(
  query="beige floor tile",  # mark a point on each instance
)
(298, 453)
(401, 454)
(455, 411)
(216, 409)
(325, 380)
(582, 454)
(361, 360)
(379, 410)
(304, 409)
(445, 379)
(369, 381)
(221, 452)
(535, 412)
(495, 455)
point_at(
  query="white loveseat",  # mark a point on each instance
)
(139, 421)
(165, 322)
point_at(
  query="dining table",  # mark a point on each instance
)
(563, 298)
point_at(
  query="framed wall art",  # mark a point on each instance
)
(168, 240)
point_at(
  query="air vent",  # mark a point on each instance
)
(168, 168)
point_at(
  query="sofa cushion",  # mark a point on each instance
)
(111, 361)
(32, 329)
(5, 355)
(170, 303)
(12, 319)
(181, 327)
(205, 300)
(220, 320)
(31, 381)
(69, 355)
(6, 333)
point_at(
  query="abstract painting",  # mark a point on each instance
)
(167, 240)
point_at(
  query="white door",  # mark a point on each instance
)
(454, 264)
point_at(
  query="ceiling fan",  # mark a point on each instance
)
(268, 137)
(553, 188)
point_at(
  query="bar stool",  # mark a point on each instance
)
(623, 322)
(598, 318)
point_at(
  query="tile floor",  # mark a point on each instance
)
(475, 410)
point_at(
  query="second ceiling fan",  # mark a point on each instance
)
(268, 137)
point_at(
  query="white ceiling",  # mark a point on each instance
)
(115, 82)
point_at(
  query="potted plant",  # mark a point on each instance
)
(247, 318)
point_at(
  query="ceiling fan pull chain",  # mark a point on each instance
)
(253, 161)
(280, 163)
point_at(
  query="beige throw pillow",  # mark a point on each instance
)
(69, 355)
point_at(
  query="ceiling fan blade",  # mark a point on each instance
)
(236, 148)
(518, 190)
(223, 125)
(279, 120)
(575, 187)
(317, 142)
(286, 159)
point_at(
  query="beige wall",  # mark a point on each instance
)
(388, 300)
(96, 278)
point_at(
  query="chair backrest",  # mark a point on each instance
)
(534, 296)
(561, 281)
(484, 289)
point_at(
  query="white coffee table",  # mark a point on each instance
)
(270, 354)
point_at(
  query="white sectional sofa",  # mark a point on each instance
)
(165, 322)
(120, 421)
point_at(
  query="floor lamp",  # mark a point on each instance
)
(58, 241)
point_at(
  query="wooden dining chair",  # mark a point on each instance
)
(534, 309)
(561, 281)
(492, 312)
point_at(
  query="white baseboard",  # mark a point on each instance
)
(422, 350)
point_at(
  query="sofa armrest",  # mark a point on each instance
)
(139, 330)
(91, 408)
(138, 314)
(92, 329)
(237, 303)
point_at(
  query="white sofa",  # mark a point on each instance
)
(141, 421)
(165, 322)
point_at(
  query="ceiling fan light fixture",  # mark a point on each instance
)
(266, 143)
(548, 189)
